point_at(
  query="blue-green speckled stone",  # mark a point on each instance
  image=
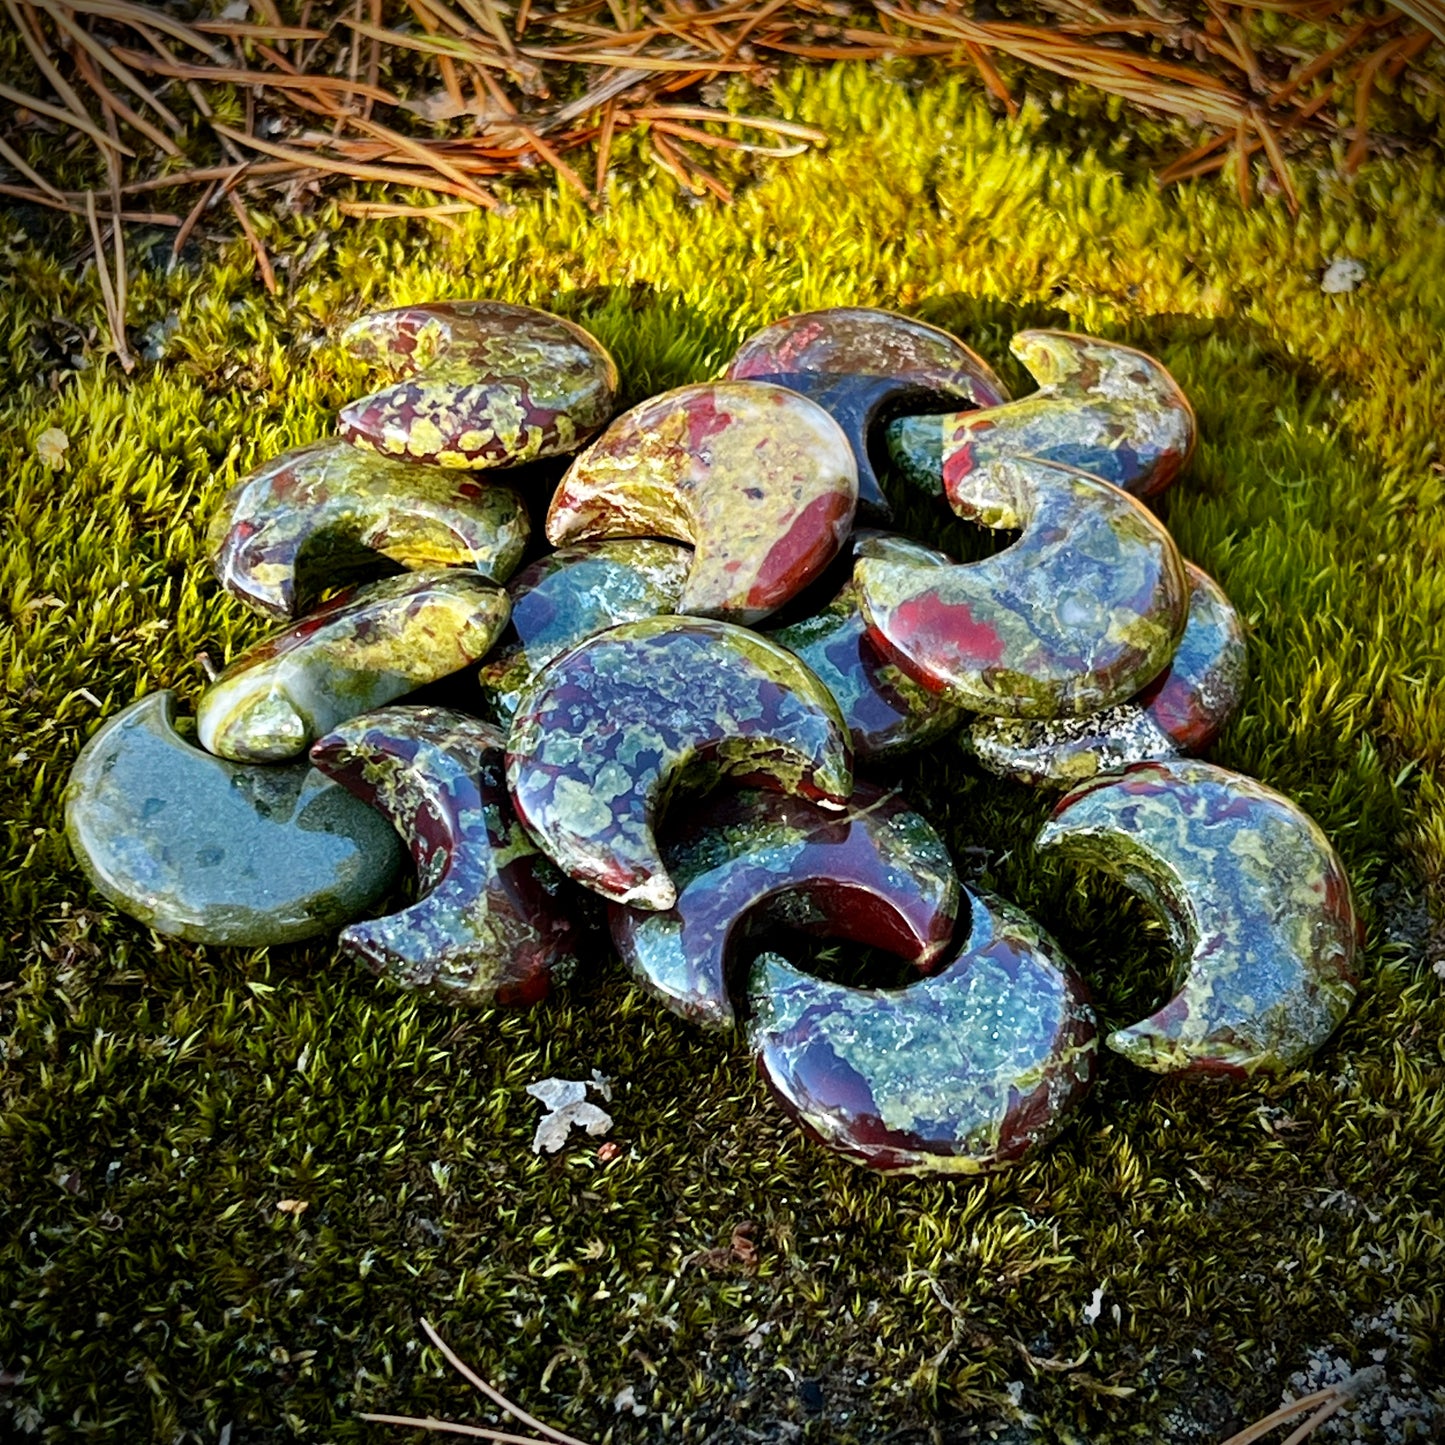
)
(219, 852)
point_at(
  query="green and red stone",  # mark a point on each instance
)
(865, 367)
(967, 1071)
(567, 596)
(751, 862)
(1255, 900)
(1080, 613)
(759, 480)
(1182, 711)
(490, 924)
(482, 384)
(218, 852)
(1106, 409)
(365, 647)
(886, 710)
(608, 732)
(327, 513)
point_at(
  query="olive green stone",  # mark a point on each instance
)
(219, 852)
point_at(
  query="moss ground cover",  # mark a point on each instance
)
(1162, 1274)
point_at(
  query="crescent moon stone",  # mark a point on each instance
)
(1079, 614)
(570, 595)
(886, 710)
(490, 924)
(483, 384)
(363, 648)
(864, 366)
(1106, 409)
(1182, 711)
(759, 480)
(329, 512)
(964, 1072)
(1257, 905)
(612, 728)
(218, 852)
(750, 862)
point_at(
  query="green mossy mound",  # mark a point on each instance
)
(1184, 1250)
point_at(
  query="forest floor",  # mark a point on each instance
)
(1187, 1255)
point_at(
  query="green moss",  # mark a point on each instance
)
(157, 1100)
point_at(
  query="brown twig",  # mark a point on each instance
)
(258, 248)
(115, 317)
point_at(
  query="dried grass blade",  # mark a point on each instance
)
(146, 15)
(111, 102)
(70, 207)
(1276, 159)
(654, 64)
(258, 247)
(991, 78)
(105, 58)
(427, 157)
(34, 42)
(15, 159)
(486, 14)
(246, 30)
(726, 117)
(604, 145)
(1180, 166)
(1428, 13)
(276, 80)
(558, 1437)
(1241, 161)
(724, 143)
(554, 159)
(113, 315)
(1285, 1413)
(65, 117)
(193, 219)
(394, 175)
(448, 1427)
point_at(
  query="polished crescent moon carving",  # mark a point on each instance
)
(1082, 611)
(864, 366)
(330, 513)
(887, 710)
(1257, 905)
(483, 384)
(1181, 711)
(490, 925)
(607, 732)
(363, 648)
(571, 594)
(759, 480)
(219, 852)
(1106, 409)
(963, 1072)
(748, 862)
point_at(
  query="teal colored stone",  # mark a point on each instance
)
(218, 852)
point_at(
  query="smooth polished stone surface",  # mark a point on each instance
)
(1182, 711)
(611, 728)
(1257, 905)
(749, 862)
(363, 648)
(966, 1071)
(483, 384)
(218, 852)
(886, 710)
(761, 482)
(490, 925)
(1107, 409)
(330, 510)
(1077, 615)
(567, 596)
(863, 367)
